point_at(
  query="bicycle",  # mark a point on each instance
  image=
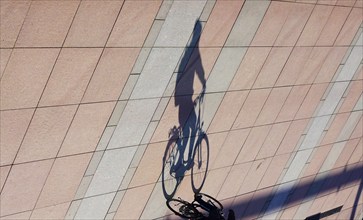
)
(203, 207)
(174, 166)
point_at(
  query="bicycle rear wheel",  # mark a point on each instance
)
(183, 208)
(201, 162)
(212, 201)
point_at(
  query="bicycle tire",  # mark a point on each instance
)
(169, 181)
(183, 209)
(211, 201)
(201, 163)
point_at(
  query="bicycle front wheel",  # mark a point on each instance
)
(201, 162)
(183, 209)
(169, 172)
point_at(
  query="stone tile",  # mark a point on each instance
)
(160, 109)
(52, 212)
(315, 132)
(274, 171)
(22, 215)
(155, 207)
(332, 157)
(294, 66)
(93, 163)
(272, 67)
(70, 77)
(354, 93)
(225, 69)
(330, 65)
(153, 33)
(219, 23)
(252, 145)
(333, 26)
(17, 198)
(249, 68)
(47, 24)
(350, 28)
(351, 64)
(141, 59)
(83, 186)
(111, 74)
(179, 23)
(149, 132)
(86, 128)
(111, 171)
(254, 176)
(296, 166)
(150, 166)
(350, 125)
(95, 207)
(93, 23)
(156, 73)
(228, 110)
(247, 23)
(4, 171)
(133, 23)
(127, 178)
(317, 159)
(313, 65)
(133, 202)
(311, 101)
(73, 208)
(315, 25)
(5, 56)
(117, 112)
(138, 156)
(272, 24)
(335, 128)
(12, 16)
(234, 180)
(129, 86)
(45, 133)
(251, 108)
(292, 136)
(292, 103)
(63, 180)
(231, 147)
(25, 77)
(133, 123)
(273, 105)
(294, 24)
(115, 203)
(164, 10)
(105, 139)
(207, 10)
(14, 125)
(332, 100)
(273, 140)
(346, 153)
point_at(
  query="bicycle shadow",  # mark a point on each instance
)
(188, 146)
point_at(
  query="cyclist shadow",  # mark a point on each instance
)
(188, 146)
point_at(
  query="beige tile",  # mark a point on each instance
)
(251, 108)
(92, 23)
(4, 58)
(25, 77)
(22, 216)
(63, 180)
(133, 202)
(350, 27)
(274, 171)
(13, 127)
(354, 93)
(133, 23)
(215, 144)
(219, 23)
(17, 198)
(70, 77)
(346, 153)
(47, 23)
(358, 131)
(228, 111)
(4, 171)
(359, 3)
(317, 160)
(292, 136)
(12, 17)
(273, 105)
(46, 133)
(55, 212)
(335, 128)
(249, 68)
(111, 74)
(86, 128)
(214, 181)
(349, 3)
(357, 153)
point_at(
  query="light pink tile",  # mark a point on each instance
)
(316, 205)
(335, 128)
(13, 127)
(46, 133)
(354, 93)
(350, 27)
(51, 213)
(219, 23)
(214, 180)
(12, 17)
(249, 68)
(228, 111)
(87, 128)
(215, 144)
(63, 180)
(93, 23)
(272, 67)
(315, 25)
(133, 23)
(346, 153)
(317, 160)
(25, 77)
(251, 108)
(292, 136)
(274, 171)
(17, 198)
(358, 131)
(357, 153)
(47, 23)
(257, 203)
(292, 103)
(359, 3)
(22, 216)
(70, 76)
(333, 26)
(253, 144)
(289, 213)
(273, 105)
(4, 171)
(4, 58)
(349, 3)
(271, 24)
(327, 2)
(294, 24)
(240, 204)
(273, 140)
(111, 74)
